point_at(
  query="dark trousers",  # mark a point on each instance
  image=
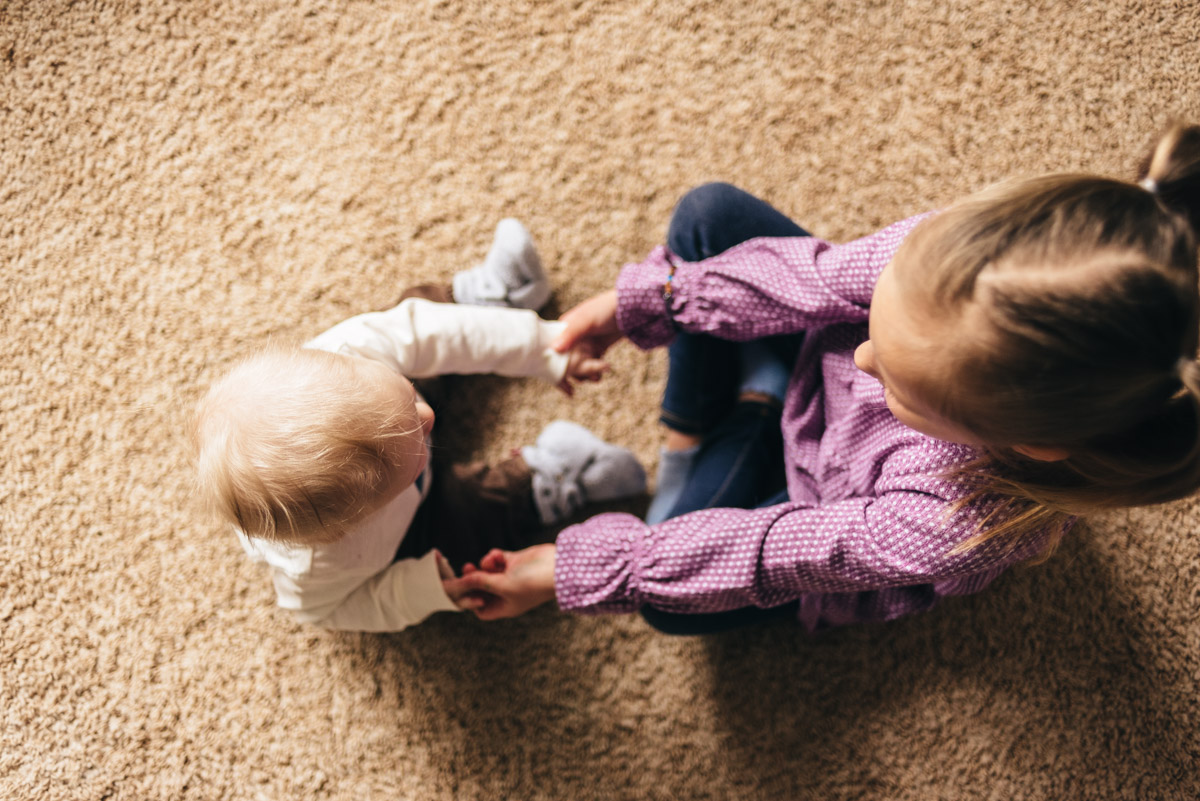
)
(471, 508)
(740, 462)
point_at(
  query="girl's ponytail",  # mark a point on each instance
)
(1172, 172)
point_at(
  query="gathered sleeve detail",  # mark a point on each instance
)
(720, 559)
(759, 288)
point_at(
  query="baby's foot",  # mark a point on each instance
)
(572, 466)
(511, 275)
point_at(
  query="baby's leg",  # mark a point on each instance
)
(472, 508)
(572, 467)
(475, 507)
(510, 275)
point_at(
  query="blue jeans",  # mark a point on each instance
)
(740, 462)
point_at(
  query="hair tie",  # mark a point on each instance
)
(1149, 184)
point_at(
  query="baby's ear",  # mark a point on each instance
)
(1042, 453)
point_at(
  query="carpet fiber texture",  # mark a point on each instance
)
(181, 182)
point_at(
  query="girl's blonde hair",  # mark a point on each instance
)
(297, 445)
(1082, 295)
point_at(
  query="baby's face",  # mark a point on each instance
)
(410, 453)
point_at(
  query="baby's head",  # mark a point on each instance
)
(298, 445)
(1054, 323)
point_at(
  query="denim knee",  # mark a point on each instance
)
(698, 212)
(714, 217)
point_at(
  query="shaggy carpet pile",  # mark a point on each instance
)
(181, 182)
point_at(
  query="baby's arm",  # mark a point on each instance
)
(420, 339)
(401, 595)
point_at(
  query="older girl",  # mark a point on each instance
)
(963, 385)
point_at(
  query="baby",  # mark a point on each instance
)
(320, 456)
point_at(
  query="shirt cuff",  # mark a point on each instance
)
(595, 563)
(642, 313)
(555, 362)
(426, 594)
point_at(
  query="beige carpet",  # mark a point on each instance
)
(180, 182)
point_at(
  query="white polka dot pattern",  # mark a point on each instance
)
(866, 531)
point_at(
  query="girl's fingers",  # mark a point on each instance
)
(477, 581)
(595, 318)
(494, 561)
(576, 328)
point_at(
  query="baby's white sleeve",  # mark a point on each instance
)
(404, 594)
(419, 339)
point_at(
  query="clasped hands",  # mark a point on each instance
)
(510, 583)
(591, 328)
(504, 584)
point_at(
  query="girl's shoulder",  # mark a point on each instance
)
(936, 485)
(918, 463)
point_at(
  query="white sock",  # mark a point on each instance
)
(511, 275)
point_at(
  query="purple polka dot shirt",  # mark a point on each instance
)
(867, 529)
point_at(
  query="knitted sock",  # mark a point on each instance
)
(763, 371)
(673, 470)
(511, 275)
(572, 466)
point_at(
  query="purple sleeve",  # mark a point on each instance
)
(762, 287)
(720, 559)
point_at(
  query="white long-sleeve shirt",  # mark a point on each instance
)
(354, 584)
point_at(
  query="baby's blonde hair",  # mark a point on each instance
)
(297, 444)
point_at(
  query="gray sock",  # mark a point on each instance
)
(572, 466)
(511, 275)
(673, 470)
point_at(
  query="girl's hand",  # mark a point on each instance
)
(591, 325)
(506, 583)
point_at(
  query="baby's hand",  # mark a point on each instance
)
(461, 597)
(582, 365)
